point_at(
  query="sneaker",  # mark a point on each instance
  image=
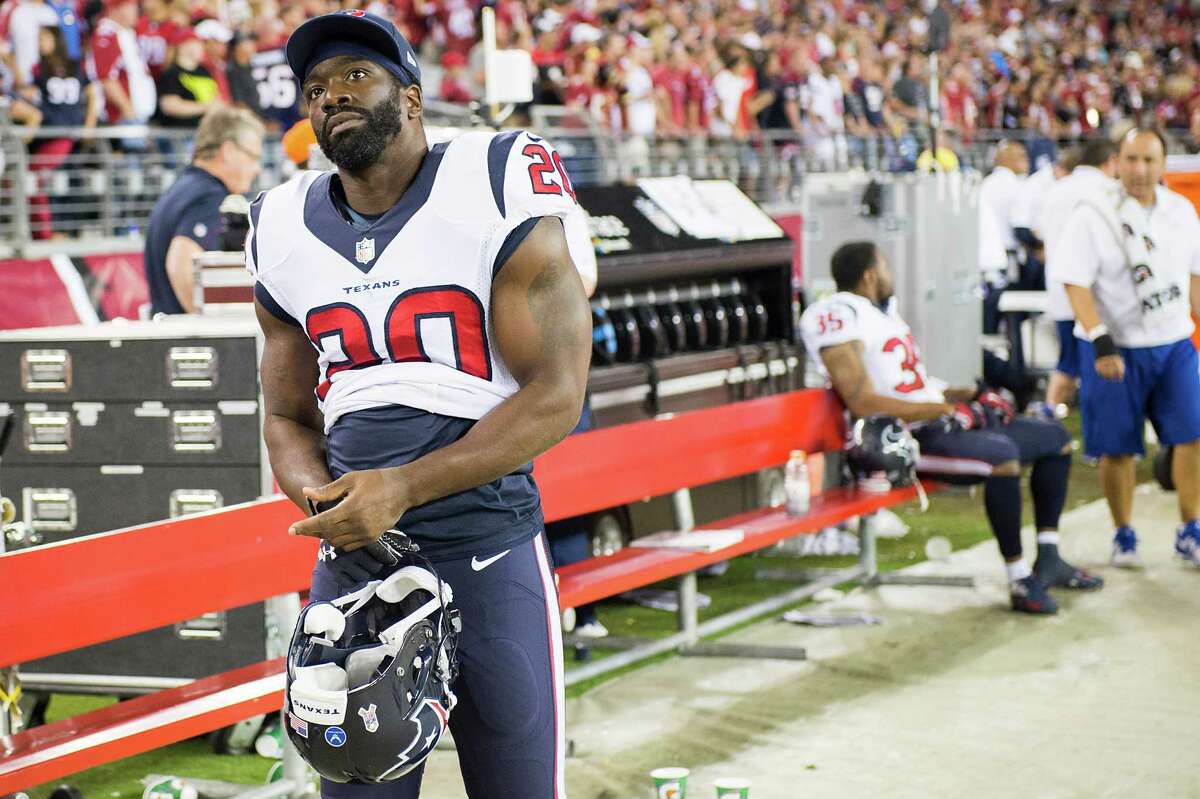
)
(1187, 542)
(1124, 552)
(593, 629)
(1057, 573)
(1029, 595)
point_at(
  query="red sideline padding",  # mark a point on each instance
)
(634, 567)
(75, 593)
(628, 463)
(139, 725)
(127, 581)
(32, 295)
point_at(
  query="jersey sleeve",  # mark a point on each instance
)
(201, 221)
(533, 180)
(829, 323)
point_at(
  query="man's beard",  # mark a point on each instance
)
(358, 148)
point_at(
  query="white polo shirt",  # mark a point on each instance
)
(1031, 199)
(1060, 201)
(998, 195)
(1088, 254)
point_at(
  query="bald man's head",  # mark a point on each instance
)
(1141, 162)
(1012, 155)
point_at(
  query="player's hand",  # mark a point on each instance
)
(369, 503)
(1111, 367)
(968, 416)
(995, 405)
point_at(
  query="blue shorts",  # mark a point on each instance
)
(509, 725)
(964, 457)
(1161, 383)
(1068, 349)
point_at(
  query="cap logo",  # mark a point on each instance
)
(354, 12)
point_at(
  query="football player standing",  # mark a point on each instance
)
(967, 435)
(427, 335)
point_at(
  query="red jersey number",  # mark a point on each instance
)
(829, 322)
(542, 169)
(402, 325)
(909, 363)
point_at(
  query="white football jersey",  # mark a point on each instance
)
(401, 314)
(890, 354)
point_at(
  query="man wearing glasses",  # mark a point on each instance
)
(186, 221)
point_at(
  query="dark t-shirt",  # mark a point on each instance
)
(191, 208)
(242, 88)
(63, 100)
(190, 84)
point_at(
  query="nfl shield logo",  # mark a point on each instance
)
(370, 720)
(364, 251)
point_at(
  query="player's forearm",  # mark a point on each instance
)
(869, 404)
(1194, 294)
(522, 427)
(297, 455)
(1083, 305)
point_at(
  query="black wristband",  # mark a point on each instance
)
(1104, 346)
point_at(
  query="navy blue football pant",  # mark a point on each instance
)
(509, 723)
(964, 457)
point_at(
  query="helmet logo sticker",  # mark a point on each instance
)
(370, 719)
(335, 737)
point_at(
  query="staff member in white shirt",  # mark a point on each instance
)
(1091, 176)
(997, 236)
(1130, 260)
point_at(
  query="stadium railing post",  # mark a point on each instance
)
(685, 519)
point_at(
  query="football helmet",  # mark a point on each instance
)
(881, 443)
(368, 677)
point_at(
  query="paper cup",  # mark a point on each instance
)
(938, 547)
(670, 782)
(732, 788)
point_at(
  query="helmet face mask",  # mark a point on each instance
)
(368, 677)
(881, 443)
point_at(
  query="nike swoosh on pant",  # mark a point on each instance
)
(479, 565)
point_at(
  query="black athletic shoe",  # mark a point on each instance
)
(1057, 573)
(1029, 595)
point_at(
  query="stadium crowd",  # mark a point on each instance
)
(1061, 68)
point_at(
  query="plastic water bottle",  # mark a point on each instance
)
(795, 483)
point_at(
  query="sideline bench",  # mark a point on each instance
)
(80, 592)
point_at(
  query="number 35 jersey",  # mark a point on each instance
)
(890, 355)
(399, 311)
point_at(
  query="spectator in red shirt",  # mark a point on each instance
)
(155, 32)
(454, 87)
(117, 63)
(671, 91)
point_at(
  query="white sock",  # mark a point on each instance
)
(1047, 538)
(1018, 571)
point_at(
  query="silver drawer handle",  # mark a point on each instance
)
(46, 370)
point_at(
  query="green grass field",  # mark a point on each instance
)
(957, 515)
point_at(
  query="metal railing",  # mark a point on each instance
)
(101, 193)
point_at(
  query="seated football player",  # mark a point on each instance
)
(967, 435)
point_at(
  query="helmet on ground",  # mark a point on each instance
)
(368, 677)
(881, 443)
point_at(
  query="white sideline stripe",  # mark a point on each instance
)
(554, 622)
(76, 291)
(942, 465)
(185, 710)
